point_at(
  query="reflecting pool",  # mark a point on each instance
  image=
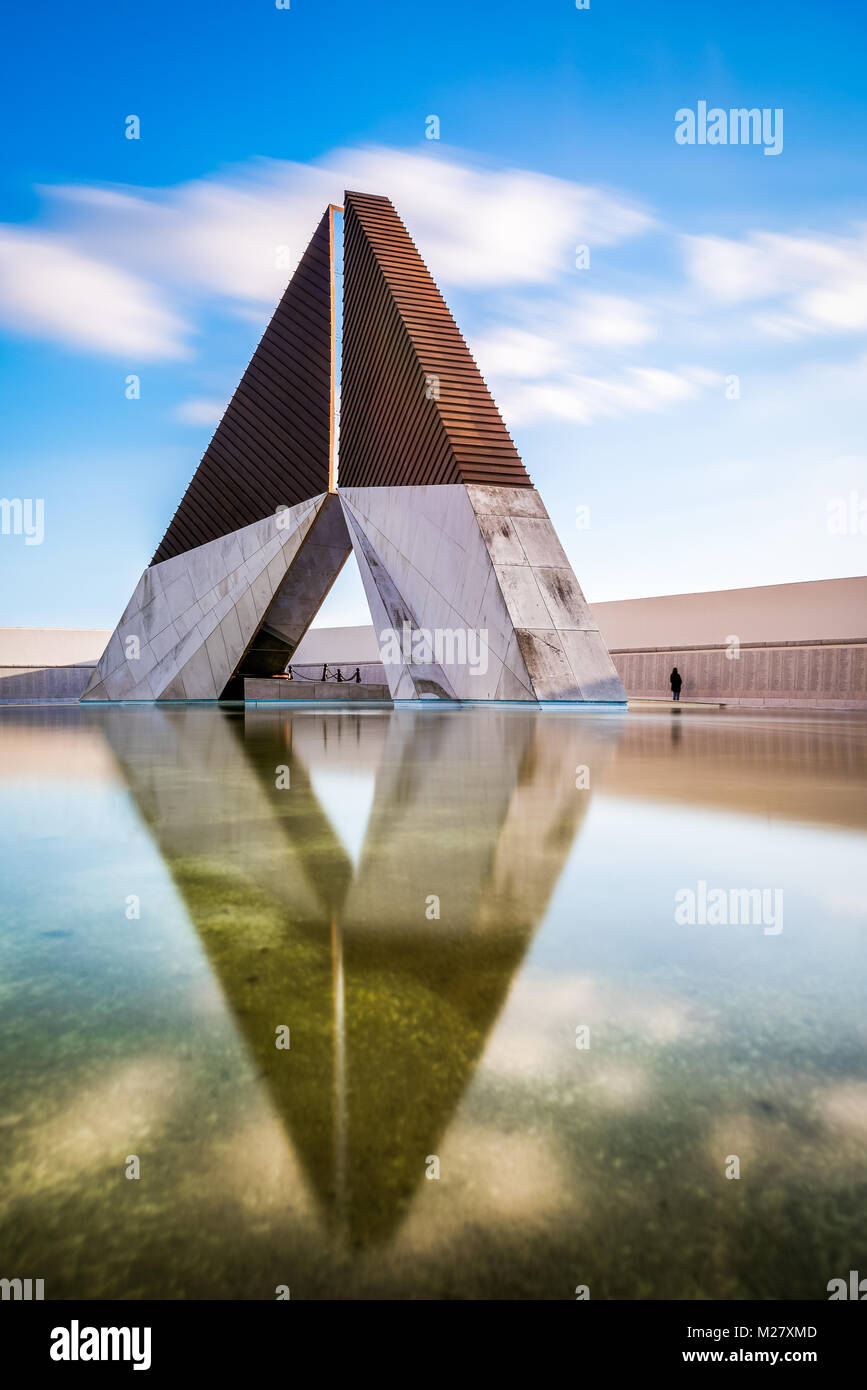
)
(469, 928)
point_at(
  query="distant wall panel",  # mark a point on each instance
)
(826, 675)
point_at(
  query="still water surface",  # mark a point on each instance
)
(311, 907)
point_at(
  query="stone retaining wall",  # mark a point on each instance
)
(38, 683)
(809, 675)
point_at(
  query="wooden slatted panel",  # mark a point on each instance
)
(272, 445)
(398, 333)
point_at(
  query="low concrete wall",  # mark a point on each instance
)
(52, 646)
(801, 646)
(786, 675)
(351, 646)
(256, 688)
(47, 663)
(33, 684)
(818, 610)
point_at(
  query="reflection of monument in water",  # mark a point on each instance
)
(389, 1007)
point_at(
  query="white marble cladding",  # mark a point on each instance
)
(448, 559)
(407, 680)
(488, 559)
(195, 614)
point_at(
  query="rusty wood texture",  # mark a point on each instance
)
(414, 406)
(272, 445)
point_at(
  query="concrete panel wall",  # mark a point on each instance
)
(481, 559)
(51, 646)
(352, 645)
(48, 663)
(823, 675)
(256, 688)
(38, 683)
(817, 610)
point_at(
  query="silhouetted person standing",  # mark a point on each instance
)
(676, 682)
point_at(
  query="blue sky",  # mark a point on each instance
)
(156, 257)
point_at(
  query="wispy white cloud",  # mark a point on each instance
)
(535, 353)
(51, 289)
(479, 227)
(232, 236)
(482, 228)
(807, 284)
(543, 336)
(568, 359)
(126, 272)
(581, 399)
(200, 410)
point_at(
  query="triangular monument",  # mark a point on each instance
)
(470, 591)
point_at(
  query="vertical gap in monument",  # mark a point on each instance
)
(345, 609)
(272, 648)
(335, 239)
